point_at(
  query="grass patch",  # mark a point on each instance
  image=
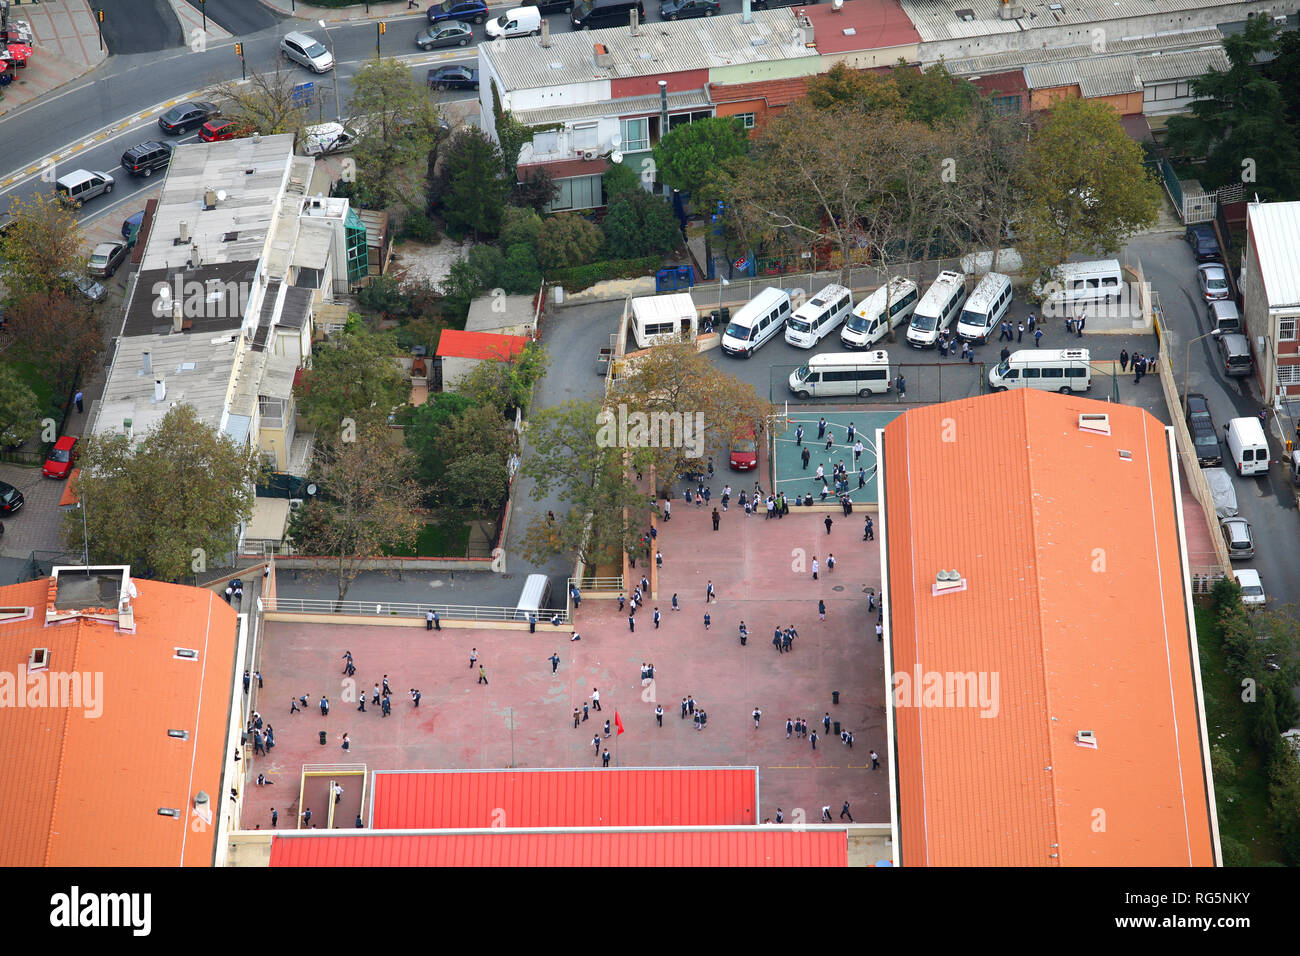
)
(1243, 800)
(437, 541)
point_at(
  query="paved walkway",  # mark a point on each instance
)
(358, 11)
(67, 47)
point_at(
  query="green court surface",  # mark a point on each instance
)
(789, 474)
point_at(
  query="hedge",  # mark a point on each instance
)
(582, 277)
(337, 3)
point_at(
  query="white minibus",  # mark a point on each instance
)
(986, 308)
(937, 309)
(818, 317)
(1056, 370)
(868, 324)
(842, 373)
(757, 321)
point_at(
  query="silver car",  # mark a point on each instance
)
(447, 33)
(106, 258)
(1237, 536)
(87, 286)
(305, 49)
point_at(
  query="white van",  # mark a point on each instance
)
(1248, 446)
(1056, 370)
(757, 321)
(986, 308)
(819, 316)
(657, 319)
(1075, 283)
(936, 310)
(868, 323)
(842, 373)
(519, 22)
(535, 597)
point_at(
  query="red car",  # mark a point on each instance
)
(216, 130)
(61, 458)
(744, 451)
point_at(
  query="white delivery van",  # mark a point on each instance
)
(842, 373)
(869, 322)
(936, 310)
(1078, 283)
(757, 321)
(1247, 446)
(1055, 370)
(819, 316)
(986, 308)
(657, 319)
(535, 597)
(519, 22)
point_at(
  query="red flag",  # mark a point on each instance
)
(618, 723)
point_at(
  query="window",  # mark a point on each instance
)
(546, 142)
(1286, 330)
(636, 135)
(747, 119)
(1076, 372)
(1031, 373)
(1288, 374)
(1007, 105)
(581, 192)
(1053, 373)
(584, 137)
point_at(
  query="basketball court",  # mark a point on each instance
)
(788, 471)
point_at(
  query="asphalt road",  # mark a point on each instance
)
(1267, 502)
(139, 26)
(239, 17)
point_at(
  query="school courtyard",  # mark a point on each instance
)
(761, 572)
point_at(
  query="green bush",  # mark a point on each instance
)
(583, 277)
(568, 240)
(486, 262)
(519, 225)
(420, 228)
(639, 224)
(519, 273)
(618, 179)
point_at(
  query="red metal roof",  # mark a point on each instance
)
(480, 345)
(877, 25)
(779, 92)
(564, 168)
(632, 797)
(753, 846)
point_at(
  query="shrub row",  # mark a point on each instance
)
(582, 277)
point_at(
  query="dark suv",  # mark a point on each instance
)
(144, 158)
(1205, 246)
(1204, 437)
(475, 10)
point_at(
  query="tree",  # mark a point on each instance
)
(519, 273)
(568, 240)
(399, 127)
(424, 428)
(506, 386)
(608, 512)
(354, 382)
(844, 86)
(367, 506)
(42, 244)
(19, 409)
(472, 188)
(476, 486)
(63, 336)
(690, 150)
(1085, 187)
(1284, 802)
(934, 96)
(1239, 119)
(486, 262)
(480, 435)
(639, 224)
(982, 198)
(265, 103)
(198, 485)
(520, 225)
(536, 191)
(459, 289)
(617, 179)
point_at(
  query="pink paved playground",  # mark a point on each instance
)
(760, 569)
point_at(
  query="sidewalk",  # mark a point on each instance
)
(67, 47)
(191, 20)
(358, 11)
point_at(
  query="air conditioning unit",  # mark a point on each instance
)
(589, 154)
(295, 504)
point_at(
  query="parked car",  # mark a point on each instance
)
(1238, 538)
(743, 454)
(131, 227)
(62, 455)
(144, 159)
(1213, 280)
(106, 258)
(215, 131)
(550, 6)
(305, 49)
(82, 185)
(87, 286)
(682, 9)
(327, 138)
(1252, 588)
(453, 78)
(773, 4)
(1205, 246)
(447, 33)
(475, 10)
(11, 499)
(187, 116)
(1204, 435)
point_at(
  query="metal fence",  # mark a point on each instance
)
(612, 583)
(925, 382)
(446, 612)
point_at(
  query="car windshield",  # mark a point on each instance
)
(745, 446)
(1004, 368)
(315, 49)
(61, 454)
(582, 9)
(801, 373)
(1216, 282)
(977, 319)
(856, 323)
(738, 332)
(924, 323)
(1254, 590)
(502, 21)
(8, 495)
(98, 259)
(798, 324)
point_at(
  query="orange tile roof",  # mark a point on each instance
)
(1075, 599)
(780, 92)
(82, 788)
(480, 345)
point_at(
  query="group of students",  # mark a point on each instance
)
(782, 638)
(263, 737)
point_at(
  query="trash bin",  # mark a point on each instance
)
(322, 738)
(835, 697)
(836, 725)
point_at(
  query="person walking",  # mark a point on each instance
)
(869, 531)
(880, 632)
(875, 760)
(293, 706)
(744, 634)
(595, 699)
(716, 519)
(324, 706)
(347, 742)
(659, 558)
(668, 509)
(607, 728)
(798, 436)
(532, 623)
(707, 620)
(604, 759)
(844, 810)
(576, 718)
(828, 523)
(275, 817)
(1078, 326)
(685, 708)
(830, 562)
(656, 619)
(813, 738)
(77, 399)
(821, 429)
(776, 640)
(814, 567)
(1020, 334)
(428, 620)
(805, 455)
(826, 722)
(789, 728)
(1038, 337)
(709, 594)
(631, 620)
(659, 714)
(821, 609)
(555, 661)
(902, 387)
(675, 607)
(473, 659)
(482, 675)
(757, 714)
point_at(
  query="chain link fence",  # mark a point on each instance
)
(925, 384)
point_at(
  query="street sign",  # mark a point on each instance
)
(303, 93)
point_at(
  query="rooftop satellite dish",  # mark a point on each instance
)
(311, 489)
(616, 141)
(221, 195)
(616, 157)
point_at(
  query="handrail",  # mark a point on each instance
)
(415, 611)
